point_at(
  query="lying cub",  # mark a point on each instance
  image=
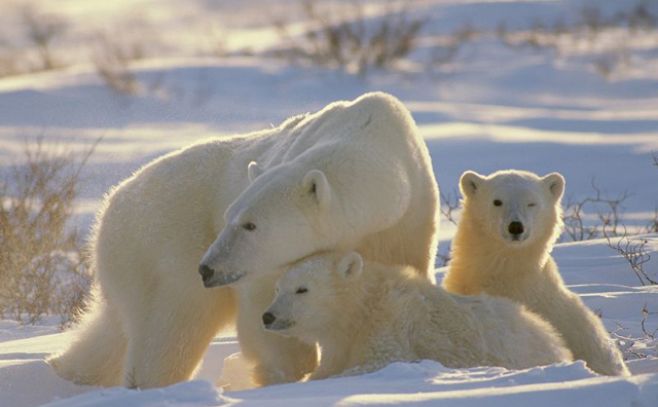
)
(366, 319)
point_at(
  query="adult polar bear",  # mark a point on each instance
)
(153, 319)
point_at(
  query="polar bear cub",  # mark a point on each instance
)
(509, 223)
(364, 320)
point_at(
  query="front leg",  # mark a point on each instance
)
(280, 360)
(349, 359)
(583, 332)
(167, 343)
(331, 365)
(276, 359)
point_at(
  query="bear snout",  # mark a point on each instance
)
(268, 318)
(206, 273)
(515, 228)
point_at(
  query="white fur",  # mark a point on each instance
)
(373, 187)
(276, 359)
(366, 184)
(487, 259)
(363, 321)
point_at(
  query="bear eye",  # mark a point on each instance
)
(249, 226)
(301, 290)
(530, 205)
(497, 202)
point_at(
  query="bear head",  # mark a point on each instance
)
(515, 208)
(308, 292)
(285, 214)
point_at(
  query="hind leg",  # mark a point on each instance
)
(166, 346)
(96, 356)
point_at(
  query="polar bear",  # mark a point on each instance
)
(365, 315)
(353, 174)
(509, 223)
(369, 187)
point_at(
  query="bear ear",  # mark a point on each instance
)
(555, 183)
(351, 265)
(470, 182)
(253, 171)
(316, 183)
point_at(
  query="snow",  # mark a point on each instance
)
(424, 383)
(490, 108)
(590, 268)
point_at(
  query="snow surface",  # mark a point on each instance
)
(589, 268)
(492, 107)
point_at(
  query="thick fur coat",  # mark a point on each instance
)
(509, 223)
(355, 174)
(366, 315)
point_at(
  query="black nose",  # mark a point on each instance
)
(206, 272)
(515, 228)
(268, 318)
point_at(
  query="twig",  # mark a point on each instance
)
(449, 204)
(610, 219)
(645, 316)
(636, 254)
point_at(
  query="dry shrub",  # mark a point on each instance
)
(42, 267)
(9, 58)
(652, 225)
(449, 208)
(606, 38)
(112, 58)
(448, 46)
(41, 30)
(32, 49)
(608, 211)
(636, 253)
(644, 345)
(351, 41)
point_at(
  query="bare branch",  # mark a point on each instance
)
(636, 254)
(608, 211)
(645, 316)
(449, 204)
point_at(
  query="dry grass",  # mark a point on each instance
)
(112, 58)
(606, 38)
(450, 206)
(608, 212)
(349, 40)
(635, 252)
(638, 346)
(32, 48)
(42, 266)
(41, 30)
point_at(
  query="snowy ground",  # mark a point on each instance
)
(591, 269)
(492, 107)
